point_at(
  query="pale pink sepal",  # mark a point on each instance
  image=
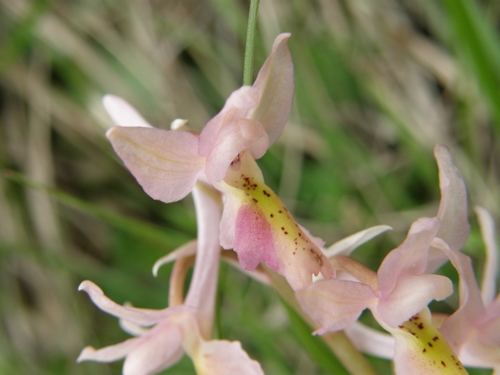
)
(109, 353)
(142, 317)
(185, 250)
(122, 113)
(220, 357)
(454, 228)
(164, 162)
(275, 87)
(347, 245)
(335, 304)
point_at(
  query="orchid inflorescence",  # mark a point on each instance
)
(237, 210)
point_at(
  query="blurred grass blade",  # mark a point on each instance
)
(21, 35)
(477, 39)
(162, 236)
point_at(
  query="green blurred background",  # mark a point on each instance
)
(378, 84)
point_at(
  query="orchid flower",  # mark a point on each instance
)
(398, 294)
(186, 327)
(255, 222)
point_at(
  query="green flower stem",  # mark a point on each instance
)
(338, 342)
(249, 47)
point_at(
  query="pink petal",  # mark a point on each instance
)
(157, 350)
(201, 294)
(109, 353)
(274, 85)
(220, 357)
(237, 107)
(143, 317)
(410, 258)
(335, 304)
(235, 137)
(410, 295)
(452, 211)
(165, 163)
(122, 113)
(457, 327)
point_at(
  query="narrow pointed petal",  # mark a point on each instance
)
(203, 287)
(158, 349)
(122, 113)
(454, 229)
(335, 304)
(421, 349)
(185, 250)
(452, 212)
(488, 285)
(165, 163)
(143, 317)
(457, 326)
(347, 245)
(220, 357)
(109, 353)
(275, 87)
(410, 295)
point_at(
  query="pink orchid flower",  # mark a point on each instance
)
(473, 330)
(255, 222)
(398, 294)
(164, 335)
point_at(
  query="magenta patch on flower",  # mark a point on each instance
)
(254, 234)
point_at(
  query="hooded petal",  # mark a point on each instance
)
(165, 163)
(235, 137)
(274, 85)
(122, 113)
(220, 357)
(335, 304)
(410, 295)
(410, 257)
(158, 349)
(267, 102)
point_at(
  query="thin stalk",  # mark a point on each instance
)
(249, 47)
